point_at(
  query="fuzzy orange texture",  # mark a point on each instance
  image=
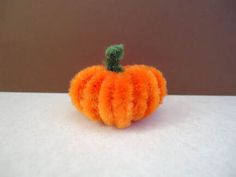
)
(117, 99)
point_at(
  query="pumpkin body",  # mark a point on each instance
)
(117, 99)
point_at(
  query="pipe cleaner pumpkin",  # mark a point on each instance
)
(117, 95)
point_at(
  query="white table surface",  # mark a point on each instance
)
(43, 135)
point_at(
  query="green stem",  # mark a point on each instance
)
(113, 55)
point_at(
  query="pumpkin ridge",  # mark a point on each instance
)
(140, 93)
(105, 99)
(133, 95)
(91, 92)
(78, 83)
(122, 101)
(153, 93)
(161, 82)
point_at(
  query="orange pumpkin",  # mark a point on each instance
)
(117, 95)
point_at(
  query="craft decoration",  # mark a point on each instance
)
(117, 95)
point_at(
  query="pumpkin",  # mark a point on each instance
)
(117, 95)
